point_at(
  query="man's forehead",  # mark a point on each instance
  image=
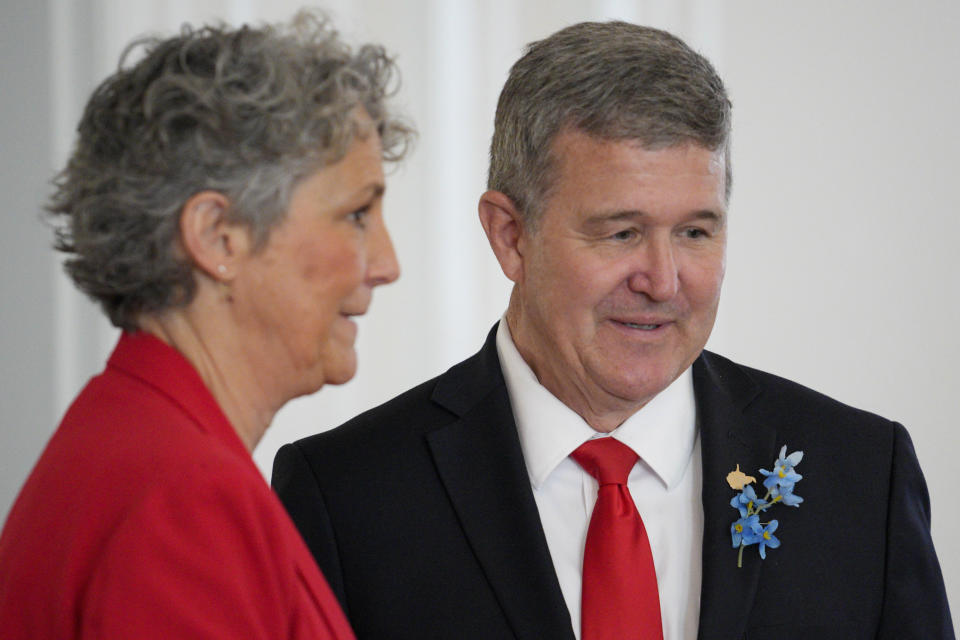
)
(575, 153)
(573, 140)
(578, 153)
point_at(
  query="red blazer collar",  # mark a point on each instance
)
(142, 356)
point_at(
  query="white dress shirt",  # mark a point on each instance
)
(665, 484)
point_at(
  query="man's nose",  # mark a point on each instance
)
(655, 273)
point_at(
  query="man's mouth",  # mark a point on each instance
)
(643, 327)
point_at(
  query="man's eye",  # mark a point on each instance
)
(694, 233)
(625, 234)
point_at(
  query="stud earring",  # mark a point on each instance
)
(222, 270)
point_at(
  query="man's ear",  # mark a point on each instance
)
(505, 231)
(213, 244)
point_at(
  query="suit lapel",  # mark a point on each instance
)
(481, 465)
(728, 438)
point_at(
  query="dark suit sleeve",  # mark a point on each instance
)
(296, 485)
(914, 602)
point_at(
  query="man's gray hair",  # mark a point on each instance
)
(612, 80)
(247, 112)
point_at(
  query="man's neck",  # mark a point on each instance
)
(602, 411)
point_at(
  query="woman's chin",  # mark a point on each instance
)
(342, 368)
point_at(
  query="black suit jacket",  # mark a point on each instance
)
(421, 515)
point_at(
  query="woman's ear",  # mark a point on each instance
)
(505, 231)
(213, 244)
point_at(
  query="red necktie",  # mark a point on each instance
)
(620, 599)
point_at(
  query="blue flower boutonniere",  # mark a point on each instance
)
(779, 484)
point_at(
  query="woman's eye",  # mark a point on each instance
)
(359, 217)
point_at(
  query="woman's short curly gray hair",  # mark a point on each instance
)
(247, 112)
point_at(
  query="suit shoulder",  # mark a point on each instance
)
(772, 392)
(428, 406)
(411, 411)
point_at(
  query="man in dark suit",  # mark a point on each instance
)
(461, 509)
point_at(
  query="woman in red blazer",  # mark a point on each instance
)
(223, 206)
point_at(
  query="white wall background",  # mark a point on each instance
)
(843, 258)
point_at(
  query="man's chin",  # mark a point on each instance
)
(640, 389)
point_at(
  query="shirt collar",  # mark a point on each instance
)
(662, 433)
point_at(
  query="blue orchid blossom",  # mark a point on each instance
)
(780, 484)
(786, 496)
(747, 502)
(745, 530)
(783, 474)
(765, 538)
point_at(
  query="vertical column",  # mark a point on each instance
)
(456, 171)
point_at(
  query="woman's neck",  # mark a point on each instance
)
(213, 347)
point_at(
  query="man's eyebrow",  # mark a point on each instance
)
(602, 218)
(599, 219)
(718, 217)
